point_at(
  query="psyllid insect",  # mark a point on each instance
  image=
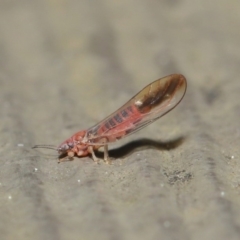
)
(151, 103)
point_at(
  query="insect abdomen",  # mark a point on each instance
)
(120, 118)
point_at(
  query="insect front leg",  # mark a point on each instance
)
(69, 157)
(91, 151)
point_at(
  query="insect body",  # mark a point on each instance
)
(151, 103)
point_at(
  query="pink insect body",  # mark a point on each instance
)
(151, 103)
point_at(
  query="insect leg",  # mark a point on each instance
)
(95, 159)
(63, 159)
(106, 156)
(69, 157)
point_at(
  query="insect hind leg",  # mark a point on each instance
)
(106, 155)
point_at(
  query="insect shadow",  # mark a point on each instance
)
(141, 144)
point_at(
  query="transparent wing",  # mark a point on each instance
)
(151, 103)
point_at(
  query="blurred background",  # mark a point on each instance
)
(65, 65)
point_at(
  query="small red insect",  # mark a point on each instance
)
(151, 103)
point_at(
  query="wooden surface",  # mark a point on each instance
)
(65, 65)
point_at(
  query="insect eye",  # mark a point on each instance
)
(70, 145)
(63, 148)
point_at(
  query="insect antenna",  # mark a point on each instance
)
(52, 147)
(46, 146)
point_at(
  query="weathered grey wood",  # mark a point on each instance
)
(64, 65)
